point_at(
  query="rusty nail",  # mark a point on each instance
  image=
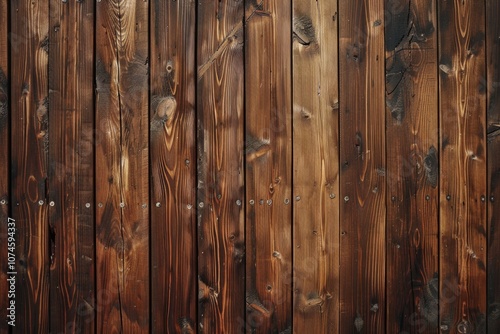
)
(448, 197)
(287, 201)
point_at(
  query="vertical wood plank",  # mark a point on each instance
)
(71, 167)
(173, 166)
(122, 192)
(268, 166)
(463, 166)
(493, 131)
(362, 170)
(412, 166)
(221, 232)
(4, 166)
(28, 168)
(316, 167)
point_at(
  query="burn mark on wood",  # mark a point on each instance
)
(303, 31)
(429, 302)
(255, 147)
(431, 166)
(186, 325)
(255, 304)
(4, 99)
(358, 323)
(44, 44)
(359, 144)
(476, 44)
(397, 25)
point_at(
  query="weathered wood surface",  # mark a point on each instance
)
(71, 167)
(220, 195)
(316, 167)
(462, 91)
(4, 165)
(268, 166)
(493, 142)
(412, 166)
(29, 47)
(122, 222)
(362, 166)
(173, 167)
(242, 166)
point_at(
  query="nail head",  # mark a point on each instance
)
(52, 203)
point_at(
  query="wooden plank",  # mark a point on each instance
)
(316, 167)
(493, 131)
(122, 197)
(28, 168)
(221, 232)
(268, 166)
(462, 97)
(362, 171)
(412, 166)
(4, 166)
(71, 167)
(173, 167)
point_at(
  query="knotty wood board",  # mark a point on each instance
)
(29, 46)
(362, 167)
(316, 225)
(220, 193)
(71, 167)
(173, 167)
(122, 192)
(462, 103)
(268, 166)
(412, 166)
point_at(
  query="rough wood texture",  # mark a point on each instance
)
(268, 166)
(4, 158)
(493, 131)
(173, 166)
(463, 166)
(71, 167)
(362, 170)
(28, 167)
(221, 232)
(121, 166)
(316, 167)
(412, 166)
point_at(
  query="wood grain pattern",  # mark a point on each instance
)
(28, 166)
(71, 167)
(316, 167)
(4, 157)
(221, 232)
(122, 197)
(362, 170)
(462, 269)
(412, 166)
(268, 166)
(493, 144)
(173, 166)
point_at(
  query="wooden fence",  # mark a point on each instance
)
(250, 166)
